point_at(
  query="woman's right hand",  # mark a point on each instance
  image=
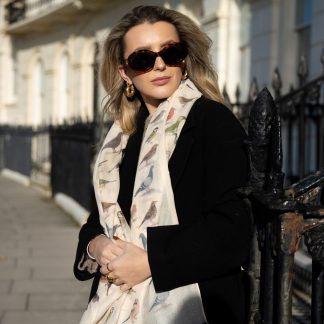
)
(104, 250)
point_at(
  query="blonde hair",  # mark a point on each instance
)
(198, 61)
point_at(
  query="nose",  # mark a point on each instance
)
(159, 64)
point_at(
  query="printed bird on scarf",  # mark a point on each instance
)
(133, 209)
(121, 218)
(144, 241)
(114, 143)
(106, 206)
(159, 299)
(173, 128)
(146, 183)
(151, 136)
(102, 182)
(111, 231)
(158, 117)
(102, 162)
(170, 114)
(134, 312)
(114, 160)
(117, 164)
(151, 213)
(150, 153)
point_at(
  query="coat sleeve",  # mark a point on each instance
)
(218, 242)
(84, 267)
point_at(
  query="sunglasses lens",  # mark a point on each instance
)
(174, 54)
(142, 60)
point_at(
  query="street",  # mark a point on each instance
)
(37, 247)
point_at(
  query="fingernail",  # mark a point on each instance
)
(115, 237)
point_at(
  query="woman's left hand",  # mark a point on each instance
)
(131, 267)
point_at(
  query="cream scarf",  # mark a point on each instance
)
(152, 205)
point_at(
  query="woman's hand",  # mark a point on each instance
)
(104, 250)
(131, 267)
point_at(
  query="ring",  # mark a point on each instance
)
(110, 278)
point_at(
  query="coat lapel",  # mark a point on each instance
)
(183, 147)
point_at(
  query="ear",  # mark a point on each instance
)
(122, 72)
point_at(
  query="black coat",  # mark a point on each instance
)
(212, 240)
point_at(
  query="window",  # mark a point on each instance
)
(303, 28)
(63, 88)
(37, 93)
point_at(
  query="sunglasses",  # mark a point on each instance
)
(144, 60)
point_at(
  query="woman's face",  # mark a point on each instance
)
(159, 83)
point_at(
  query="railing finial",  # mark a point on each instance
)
(254, 90)
(276, 82)
(226, 97)
(322, 58)
(302, 70)
(238, 93)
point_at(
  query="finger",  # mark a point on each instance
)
(104, 261)
(116, 249)
(112, 264)
(120, 243)
(124, 287)
(107, 256)
(103, 270)
(118, 282)
(111, 251)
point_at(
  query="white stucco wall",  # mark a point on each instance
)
(274, 40)
(76, 39)
(250, 39)
(317, 38)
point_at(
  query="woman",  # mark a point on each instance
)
(170, 235)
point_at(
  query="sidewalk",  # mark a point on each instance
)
(37, 248)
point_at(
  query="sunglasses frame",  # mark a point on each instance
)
(127, 61)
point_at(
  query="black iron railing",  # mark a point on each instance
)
(17, 10)
(15, 143)
(282, 215)
(286, 143)
(302, 118)
(72, 151)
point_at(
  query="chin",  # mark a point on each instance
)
(163, 92)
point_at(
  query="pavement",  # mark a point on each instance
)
(37, 249)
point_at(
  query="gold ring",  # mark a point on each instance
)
(110, 278)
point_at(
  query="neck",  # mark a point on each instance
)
(152, 104)
(151, 109)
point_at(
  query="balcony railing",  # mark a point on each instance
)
(20, 9)
(15, 11)
(24, 16)
(34, 7)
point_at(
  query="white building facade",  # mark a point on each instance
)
(47, 55)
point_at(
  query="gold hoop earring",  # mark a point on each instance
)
(130, 90)
(185, 75)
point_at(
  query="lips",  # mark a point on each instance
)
(160, 80)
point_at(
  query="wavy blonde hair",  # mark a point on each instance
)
(198, 62)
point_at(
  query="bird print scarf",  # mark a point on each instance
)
(152, 205)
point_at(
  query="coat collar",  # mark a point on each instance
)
(183, 147)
